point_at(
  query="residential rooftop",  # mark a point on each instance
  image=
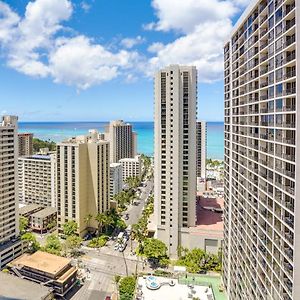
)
(25, 289)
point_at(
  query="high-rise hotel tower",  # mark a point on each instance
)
(175, 154)
(10, 245)
(262, 217)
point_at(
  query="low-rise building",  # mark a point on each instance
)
(26, 289)
(27, 210)
(116, 179)
(44, 219)
(47, 269)
(36, 175)
(131, 167)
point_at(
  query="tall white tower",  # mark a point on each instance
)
(262, 167)
(10, 244)
(175, 153)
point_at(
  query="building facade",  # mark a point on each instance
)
(131, 167)
(37, 179)
(116, 180)
(83, 178)
(262, 230)
(175, 153)
(201, 149)
(123, 140)
(10, 244)
(25, 144)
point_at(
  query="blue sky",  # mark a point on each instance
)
(93, 60)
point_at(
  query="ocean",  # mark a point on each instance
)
(58, 131)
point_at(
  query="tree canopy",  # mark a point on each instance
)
(154, 248)
(70, 228)
(33, 244)
(53, 244)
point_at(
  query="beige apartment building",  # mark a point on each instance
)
(175, 154)
(262, 230)
(123, 140)
(83, 179)
(131, 167)
(37, 179)
(25, 143)
(10, 245)
(201, 149)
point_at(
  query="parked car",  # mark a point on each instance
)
(126, 217)
(107, 298)
(122, 247)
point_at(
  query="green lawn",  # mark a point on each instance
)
(213, 281)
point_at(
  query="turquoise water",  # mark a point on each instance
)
(58, 131)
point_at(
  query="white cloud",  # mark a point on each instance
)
(204, 26)
(131, 42)
(77, 61)
(39, 45)
(85, 6)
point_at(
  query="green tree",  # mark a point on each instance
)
(154, 248)
(127, 287)
(23, 224)
(38, 144)
(53, 244)
(33, 244)
(72, 244)
(70, 228)
(100, 218)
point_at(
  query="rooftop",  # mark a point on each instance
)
(47, 211)
(42, 261)
(209, 216)
(180, 290)
(26, 289)
(29, 208)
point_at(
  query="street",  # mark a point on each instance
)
(135, 211)
(104, 263)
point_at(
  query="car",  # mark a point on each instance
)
(107, 298)
(122, 247)
(126, 217)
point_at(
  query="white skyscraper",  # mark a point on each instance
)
(10, 244)
(116, 179)
(262, 215)
(37, 179)
(175, 154)
(201, 149)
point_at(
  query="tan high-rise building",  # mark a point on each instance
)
(83, 180)
(123, 141)
(201, 149)
(262, 152)
(25, 144)
(175, 153)
(10, 244)
(37, 179)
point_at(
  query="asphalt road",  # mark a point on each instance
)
(105, 263)
(135, 211)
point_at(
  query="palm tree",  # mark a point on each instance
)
(88, 219)
(100, 218)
